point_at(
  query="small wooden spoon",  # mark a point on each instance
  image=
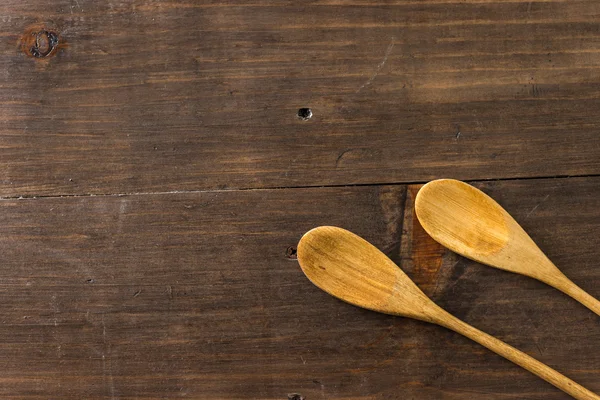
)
(351, 269)
(470, 223)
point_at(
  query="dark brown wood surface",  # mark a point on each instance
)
(193, 296)
(162, 95)
(155, 178)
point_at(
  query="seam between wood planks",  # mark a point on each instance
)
(242, 189)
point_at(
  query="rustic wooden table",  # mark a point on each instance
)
(155, 177)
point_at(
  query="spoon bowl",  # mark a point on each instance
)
(470, 223)
(340, 263)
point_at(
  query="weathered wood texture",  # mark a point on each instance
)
(160, 95)
(192, 296)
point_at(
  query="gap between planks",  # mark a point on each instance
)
(242, 189)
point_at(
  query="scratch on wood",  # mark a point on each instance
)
(379, 67)
(538, 347)
(337, 161)
(536, 206)
(55, 309)
(508, 395)
(105, 368)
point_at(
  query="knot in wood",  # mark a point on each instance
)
(39, 42)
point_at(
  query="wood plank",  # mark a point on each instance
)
(164, 95)
(192, 295)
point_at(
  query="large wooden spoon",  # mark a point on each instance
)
(351, 269)
(470, 223)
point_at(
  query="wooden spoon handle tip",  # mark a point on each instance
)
(518, 357)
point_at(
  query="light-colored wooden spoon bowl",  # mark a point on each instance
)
(470, 223)
(351, 269)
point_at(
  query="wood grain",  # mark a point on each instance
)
(169, 95)
(192, 295)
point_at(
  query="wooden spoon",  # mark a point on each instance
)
(470, 223)
(351, 269)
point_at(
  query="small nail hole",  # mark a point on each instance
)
(291, 252)
(305, 114)
(296, 396)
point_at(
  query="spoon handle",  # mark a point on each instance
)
(567, 286)
(518, 357)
